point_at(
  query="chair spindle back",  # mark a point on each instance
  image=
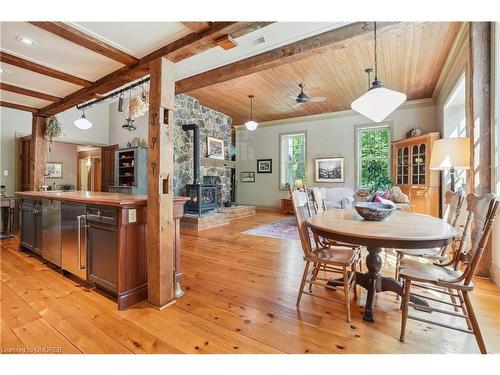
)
(302, 213)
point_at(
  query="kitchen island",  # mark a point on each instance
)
(97, 236)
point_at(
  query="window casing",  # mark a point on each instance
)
(373, 147)
(292, 158)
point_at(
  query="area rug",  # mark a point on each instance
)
(285, 228)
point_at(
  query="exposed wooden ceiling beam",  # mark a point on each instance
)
(28, 92)
(187, 46)
(197, 27)
(332, 39)
(76, 36)
(41, 69)
(18, 106)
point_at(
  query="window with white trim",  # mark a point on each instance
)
(292, 158)
(374, 154)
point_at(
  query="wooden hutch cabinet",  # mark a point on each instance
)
(410, 171)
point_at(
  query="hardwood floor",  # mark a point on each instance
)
(240, 298)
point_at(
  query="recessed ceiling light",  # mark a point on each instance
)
(260, 40)
(25, 40)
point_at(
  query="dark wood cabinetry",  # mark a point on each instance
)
(113, 245)
(108, 167)
(102, 246)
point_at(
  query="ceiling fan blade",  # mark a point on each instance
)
(317, 99)
(297, 105)
(292, 96)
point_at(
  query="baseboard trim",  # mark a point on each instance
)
(495, 274)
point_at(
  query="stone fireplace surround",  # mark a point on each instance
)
(188, 110)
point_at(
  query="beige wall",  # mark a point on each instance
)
(327, 135)
(67, 154)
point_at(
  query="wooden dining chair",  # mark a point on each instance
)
(328, 260)
(318, 200)
(453, 211)
(454, 277)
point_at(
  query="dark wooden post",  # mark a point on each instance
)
(480, 117)
(160, 229)
(38, 153)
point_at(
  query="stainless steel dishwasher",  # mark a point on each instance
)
(74, 239)
(51, 231)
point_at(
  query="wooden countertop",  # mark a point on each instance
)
(95, 197)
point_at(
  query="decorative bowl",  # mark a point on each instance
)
(374, 211)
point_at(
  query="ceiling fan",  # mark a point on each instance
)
(302, 98)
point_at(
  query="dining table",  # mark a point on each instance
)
(401, 230)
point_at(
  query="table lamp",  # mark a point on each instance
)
(450, 154)
(298, 184)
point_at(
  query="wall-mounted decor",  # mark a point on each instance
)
(329, 169)
(215, 148)
(53, 170)
(265, 166)
(247, 176)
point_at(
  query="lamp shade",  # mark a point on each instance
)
(251, 125)
(378, 102)
(83, 123)
(450, 153)
(298, 184)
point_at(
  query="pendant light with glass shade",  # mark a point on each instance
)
(251, 124)
(82, 122)
(378, 102)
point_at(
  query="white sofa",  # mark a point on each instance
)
(336, 197)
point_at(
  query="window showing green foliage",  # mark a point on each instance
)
(293, 159)
(374, 152)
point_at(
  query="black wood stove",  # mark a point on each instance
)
(202, 197)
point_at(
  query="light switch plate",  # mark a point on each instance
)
(132, 215)
(5, 173)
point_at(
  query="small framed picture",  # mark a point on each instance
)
(329, 169)
(264, 165)
(215, 148)
(53, 170)
(247, 176)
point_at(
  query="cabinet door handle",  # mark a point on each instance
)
(79, 221)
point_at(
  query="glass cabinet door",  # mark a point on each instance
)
(418, 164)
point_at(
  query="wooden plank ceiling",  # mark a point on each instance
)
(411, 57)
(67, 64)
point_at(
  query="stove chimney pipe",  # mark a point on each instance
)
(196, 150)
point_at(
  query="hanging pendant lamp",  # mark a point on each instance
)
(251, 124)
(378, 102)
(82, 122)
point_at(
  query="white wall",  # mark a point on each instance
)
(97, 134)
(120, 136)
(327, 135)
(13, 121)
(495, 267)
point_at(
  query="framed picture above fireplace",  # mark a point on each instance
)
(265, 166)
(215, 148)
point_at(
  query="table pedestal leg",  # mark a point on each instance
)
(371, 281)
(374, 283)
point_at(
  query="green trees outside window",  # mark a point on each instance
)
(374, 150)
(293, 159)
